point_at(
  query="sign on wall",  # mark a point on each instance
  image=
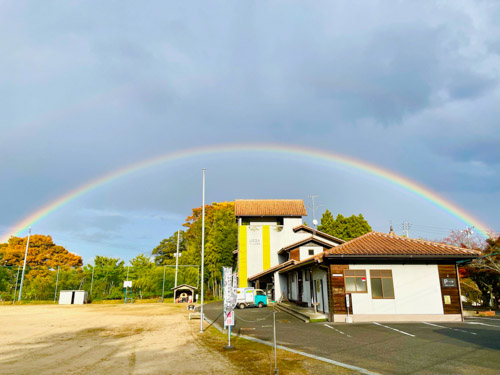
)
(449, 282)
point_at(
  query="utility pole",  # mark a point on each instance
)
(276, 370)
(177, 258)
(202, 248)
(24, 265)
(57, 282)
(406, 228)
(163, 286)
(17, 280)
(92, 282)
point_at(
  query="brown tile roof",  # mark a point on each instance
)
(318, 233)
(376, 243)
(272, 269)
(269, 207)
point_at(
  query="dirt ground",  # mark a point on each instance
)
(104, 339)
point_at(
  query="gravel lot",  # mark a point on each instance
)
(104, 339)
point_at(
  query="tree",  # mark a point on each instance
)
(164, 253)
(345, 228)
(485, 271)
(42, 252)
(110, 273)
(459, 238)
(143, 274)
(327, 223)
(221, 235)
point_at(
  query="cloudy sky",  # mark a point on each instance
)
(87, 88)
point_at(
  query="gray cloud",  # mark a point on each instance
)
(90, 88)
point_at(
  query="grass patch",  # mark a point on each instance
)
(254, 358)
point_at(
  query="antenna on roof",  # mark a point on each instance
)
(406, 228)
(315, 222)
(468, 232)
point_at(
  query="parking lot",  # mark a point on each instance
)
(471, 347)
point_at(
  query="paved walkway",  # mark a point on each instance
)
(472, 347)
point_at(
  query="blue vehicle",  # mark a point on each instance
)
(251, 297)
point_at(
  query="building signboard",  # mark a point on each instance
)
(449, 282)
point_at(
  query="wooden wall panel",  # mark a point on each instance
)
(448, 271)
(338, 304)
(295, 254)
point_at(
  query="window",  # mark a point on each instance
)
(382, 285)
(311, 251)
(260, 292)
(355, 281)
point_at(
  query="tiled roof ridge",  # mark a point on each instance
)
(417, 240)
(302, 226)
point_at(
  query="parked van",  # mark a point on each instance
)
(251, 297)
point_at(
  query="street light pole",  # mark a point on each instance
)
(177, 258)
(202, 248)
(24, 265)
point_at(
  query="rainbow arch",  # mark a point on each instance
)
(322, 155)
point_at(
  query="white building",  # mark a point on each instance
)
(384, 277)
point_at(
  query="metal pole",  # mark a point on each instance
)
(92, 282)
(24, 266)
(202, 248)
(57, 282)
(17, 280)
(177, 258)
(163, 287)
(276, 371)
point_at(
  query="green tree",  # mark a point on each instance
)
(327, 223)
(143, 275)
(345, 228)
(164, 253)
(109, 275)
(221, 235)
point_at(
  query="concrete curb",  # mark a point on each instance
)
(323, 359)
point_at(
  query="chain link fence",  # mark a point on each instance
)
(101, 283)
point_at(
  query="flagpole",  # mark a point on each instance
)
(202, 248)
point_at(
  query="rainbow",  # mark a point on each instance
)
(321, 155)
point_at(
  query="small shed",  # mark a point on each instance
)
(73, 297)
(184, 293)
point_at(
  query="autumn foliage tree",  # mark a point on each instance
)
(42, 252)
(484, 272)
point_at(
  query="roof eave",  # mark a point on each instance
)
(396, 257)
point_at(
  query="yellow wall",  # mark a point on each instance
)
(266, 247)
(242, 257)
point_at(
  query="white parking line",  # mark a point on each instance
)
(454, 329)
(482, 317)
(483, 324)
(337, 330)
(394, 329)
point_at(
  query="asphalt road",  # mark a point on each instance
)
(472, 347)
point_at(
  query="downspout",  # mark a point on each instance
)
(459, 292)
